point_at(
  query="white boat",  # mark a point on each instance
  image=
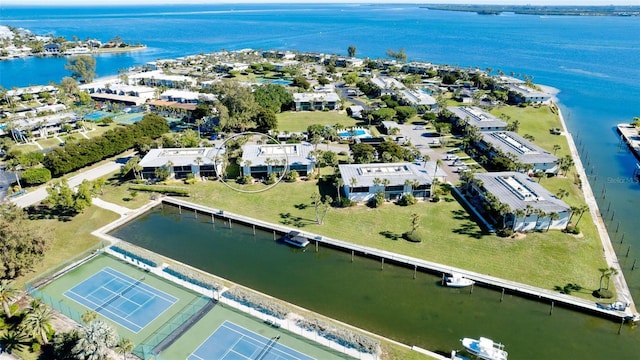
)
(294, 238)
(458, 281)
(485, 348)
(617, 306)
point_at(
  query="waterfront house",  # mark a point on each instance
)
(519, 149)
(316, 101)
(474, 116)
(201, 162)
(52, 49)
(260, 160)
(158, 78)
(363, 181)
(530, 206)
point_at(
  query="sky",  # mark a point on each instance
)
(149, 2)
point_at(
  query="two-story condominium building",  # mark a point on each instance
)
(386, 85)
(474, 116)
(259, 161)
(530, 205)
(417, 99)
(115, 91)
(418, 68)
(26, 128)
(363, 181)
(520, 149)
(182, 162)
(316, 101)
(158, 78)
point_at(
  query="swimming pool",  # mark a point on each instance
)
(361, 133)
(276, 81)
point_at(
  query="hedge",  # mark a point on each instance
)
(192, 277)
(134, 256)
(160, 189)
(36, 176)
(344, 337)
(256, 302)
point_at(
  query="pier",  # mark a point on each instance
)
(409, 262)
(629, 134)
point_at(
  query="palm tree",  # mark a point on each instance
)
(504, 209)
(574, 210)
(13, 340)
(612, 271)
(37, 323)
(338, 183)
(581, 210)
(95, 341)
(89, 316)
(415, 222)
(556, 147)
(434, 188)
(14, 166)
(517, 214)
(562, 193)
(8, 293)
(552, 216)
(438, 164)
(124, 347)
(199, 162)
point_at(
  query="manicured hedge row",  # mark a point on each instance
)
(133, 255)
(192, 277)
(257, 302)
(76, 155)
(344, 337)
(160, 189)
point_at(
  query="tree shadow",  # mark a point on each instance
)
(570, 288)
(301, 206)
(470, 229)
(42, 212)
(390, 235)
(460, 214)
(296, 221)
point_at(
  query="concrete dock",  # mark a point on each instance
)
(524, 290)
(631, 136)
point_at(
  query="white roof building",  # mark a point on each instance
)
(478, 118)
(262, 160)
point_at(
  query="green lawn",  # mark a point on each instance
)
(69, 238)
(299, 121)
(537, 121)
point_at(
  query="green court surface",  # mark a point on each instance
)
(200, 332)
(53, 294)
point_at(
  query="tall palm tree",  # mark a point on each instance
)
(562, 193)
(338, 183)
(124, 347)
(517, 214)
(95, 342)
(14, 166)
(12, 341)
(581, 210)
(611, 272)
(8, 294)
(199, 162)
(552, 216)
(37, 323)
(556, 147)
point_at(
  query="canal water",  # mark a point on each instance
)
(386, 301)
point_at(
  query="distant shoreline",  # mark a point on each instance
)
(92, 52)
(550, 10)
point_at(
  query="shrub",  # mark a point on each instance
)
(271, 179)
(160, 189)
(291, 176)
(135, 254)
(192, 277)
(506, 232)
(407, 199)
(36, 176)
(572, 229)
(377, 200)
(245, 180)
(415, 238)
(257, 302)
(603, 294)
(344, 337)
(344, 202)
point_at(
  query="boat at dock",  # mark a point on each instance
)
(294, 238)
(616, 306)
(457, 281)
(485, 348)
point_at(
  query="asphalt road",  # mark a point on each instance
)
(35, 196)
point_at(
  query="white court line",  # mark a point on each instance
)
(105, 309)
(156, 292)
(259, 341)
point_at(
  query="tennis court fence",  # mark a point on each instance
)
(55, 304)
(145, 350)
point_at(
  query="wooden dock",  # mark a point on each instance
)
(524, 290)
(629, 134)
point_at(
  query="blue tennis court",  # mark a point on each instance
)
(128, 301)
(233, 342)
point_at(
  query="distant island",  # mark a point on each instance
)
(558, 10)
(19, 43)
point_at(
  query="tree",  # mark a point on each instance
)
(163, 172)
(565, 164)
(14, 166)
(552, 217)
(61, 196)
(37, 323)
(124, 347)
(562, 193)
(13, 341)
(89, 316)
(95, 341)
(384, 114)
(556, 147)
(404, 113)
(237, 106)
(399, 55)
(63, 344)
(581, 210)
(21, 244)
(69, 86)
(321, 206)
(8, 294)
(415, 223)
(273, 97)
(98, 186)
(362, 153)
(266, 120)
(338, 183)
(351, 50)
(82, 68)
(132, 165)
(301, 82)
